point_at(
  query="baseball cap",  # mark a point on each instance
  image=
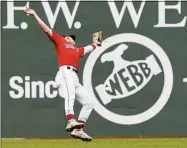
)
(72, 36)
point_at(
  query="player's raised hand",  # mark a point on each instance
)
(42, 25)
(30, 11)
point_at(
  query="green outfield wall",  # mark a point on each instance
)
(137, 78)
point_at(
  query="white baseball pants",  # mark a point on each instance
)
(70, 89)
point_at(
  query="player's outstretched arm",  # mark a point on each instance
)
(87, 49)
(97, 41)
(42, 25)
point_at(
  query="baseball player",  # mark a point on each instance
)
(68, 55)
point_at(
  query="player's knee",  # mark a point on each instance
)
(90, 104)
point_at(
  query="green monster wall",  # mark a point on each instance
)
(147, 69)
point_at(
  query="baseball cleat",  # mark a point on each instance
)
(73, 124)
(80, 134)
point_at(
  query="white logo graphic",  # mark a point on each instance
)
(140, 71)
(136, 13)
(52, 17)
(130, 76)
(26, 88)
(128, 7)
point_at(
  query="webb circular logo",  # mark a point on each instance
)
(128, 77)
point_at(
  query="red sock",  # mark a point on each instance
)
(70, 116)
(80, 121)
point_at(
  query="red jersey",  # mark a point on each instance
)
(67, 54)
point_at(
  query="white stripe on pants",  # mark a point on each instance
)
(70, 89)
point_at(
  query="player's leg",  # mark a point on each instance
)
(87, 106)
(67, 91)
(84, 99)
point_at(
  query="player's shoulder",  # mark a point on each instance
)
(57, 35)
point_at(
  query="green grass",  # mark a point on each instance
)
(98, 143)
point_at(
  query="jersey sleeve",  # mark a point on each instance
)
(81, 52)
(86, 49)
(56, 38)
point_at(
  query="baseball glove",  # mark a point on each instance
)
(98, 37)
